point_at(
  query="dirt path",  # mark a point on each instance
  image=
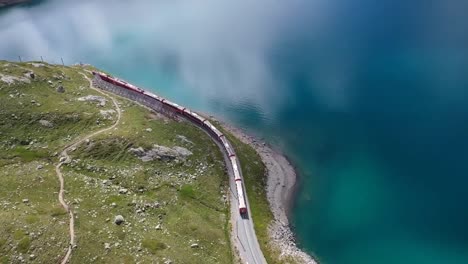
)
(64, 158)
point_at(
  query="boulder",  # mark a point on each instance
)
(119, 220)
(60, 89)
(139, 152)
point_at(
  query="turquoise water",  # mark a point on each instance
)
(368, 99)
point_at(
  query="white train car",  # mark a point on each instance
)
(227, 146)
(240, 198)
(154, 96)
(235, 168)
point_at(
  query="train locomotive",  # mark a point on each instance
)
(149, 99)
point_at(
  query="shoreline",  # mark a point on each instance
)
(281, 186)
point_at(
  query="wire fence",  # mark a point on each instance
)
(41, 59)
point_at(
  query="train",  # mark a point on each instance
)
(194, 118)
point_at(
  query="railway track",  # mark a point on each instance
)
(243, 233)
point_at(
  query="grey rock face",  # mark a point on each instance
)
(46, 123)
(161, 153)
(93, 98)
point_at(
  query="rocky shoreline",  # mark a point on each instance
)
(280, 188)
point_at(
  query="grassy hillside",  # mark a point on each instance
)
(173, 208)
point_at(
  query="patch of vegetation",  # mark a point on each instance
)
(31, 219)
(57, 211)
(4, 259)
(2, 242)
(153, 245)
(18, 234)
(24, 244)
(187, 191)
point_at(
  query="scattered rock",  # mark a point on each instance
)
(25, 201)
(194, 245)
(107, 246)
(40, 167)
(123, 191)
(119, 220)
(37, 65)
(158, 227)
(107, 114)
(148, 129)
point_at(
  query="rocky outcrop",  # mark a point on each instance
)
(46, 123)
(8, 79)
(93, 98)
(107, 114)
(161, 153)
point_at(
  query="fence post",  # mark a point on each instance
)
(42, 59)
(20, 58)
(62, 61)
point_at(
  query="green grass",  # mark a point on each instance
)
(57, 211)
(187, 191)
(190, 209)
(153, 245)
(24, 244)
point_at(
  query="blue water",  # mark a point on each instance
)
(369, 99)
